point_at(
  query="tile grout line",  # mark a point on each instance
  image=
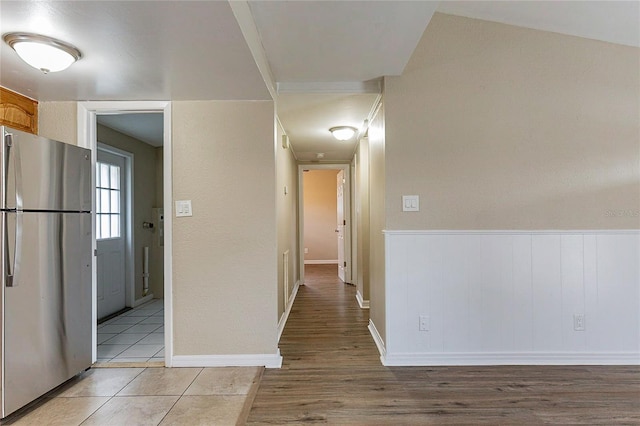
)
(111, 397)
(181, 395)
(140, 320)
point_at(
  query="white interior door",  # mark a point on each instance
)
(340, 225)
(110, 232)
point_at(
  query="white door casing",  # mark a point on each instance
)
(111, 232)
(340, 224)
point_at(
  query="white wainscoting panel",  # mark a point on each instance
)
(510, 297)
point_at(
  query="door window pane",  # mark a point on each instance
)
(115, 224)
(115, 201)
(104, 174)
(105, 229)
(108, 215)
(115, 177)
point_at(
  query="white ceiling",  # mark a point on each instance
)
(134, 50)
(332, 41)
(308, 117)
(196, 50)
(612, 21)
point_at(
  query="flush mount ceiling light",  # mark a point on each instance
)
(343, 133)
(41, 52)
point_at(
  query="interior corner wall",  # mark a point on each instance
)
(145, 190)
(224, 269)
(362, 217)
(377, 222)
(320, 215)
(287, 216)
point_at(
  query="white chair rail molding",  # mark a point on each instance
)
(511, 297)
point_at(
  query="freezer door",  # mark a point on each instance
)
(42, 174)
(46, 322)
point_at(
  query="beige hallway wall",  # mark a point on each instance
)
(224, 257)
(362, 216)
(377, 221)
(220, 305)
(287, 216)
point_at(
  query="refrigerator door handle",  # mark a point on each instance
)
(18, 172)
(12, 268)
(8, 142)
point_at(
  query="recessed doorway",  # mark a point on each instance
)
(325, 219)
(129, 334)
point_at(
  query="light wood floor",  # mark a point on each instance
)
(332, 374)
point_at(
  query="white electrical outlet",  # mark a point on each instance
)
(424, 322)
(578, 322)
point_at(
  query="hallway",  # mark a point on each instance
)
(332, 374)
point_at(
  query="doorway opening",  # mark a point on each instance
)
(113, 217)
(325, 219)
(132, 180)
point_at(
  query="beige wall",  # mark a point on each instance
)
(498, 127)
(361, 203)
(287, 216)
(145, 192)
(377, 188)
(221, 306)
(224, 256)
(58, 121)
(320, 214)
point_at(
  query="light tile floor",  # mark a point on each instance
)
(135, 336)
(148, 396)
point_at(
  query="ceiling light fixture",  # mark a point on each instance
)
(343, 133)
(41, 52)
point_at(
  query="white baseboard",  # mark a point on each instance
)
(321, 262)
(378, 341)
(364, 304)
(142, 300)
(287, 311)
(240, 360)
(506, 358)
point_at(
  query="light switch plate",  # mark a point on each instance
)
(410, 203)
(183, 208)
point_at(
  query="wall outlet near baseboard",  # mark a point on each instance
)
(424, 322)
(578, 322)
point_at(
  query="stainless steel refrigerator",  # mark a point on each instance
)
(45, 239)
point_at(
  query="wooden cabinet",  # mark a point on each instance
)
(18, 111)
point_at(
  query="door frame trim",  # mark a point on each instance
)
(130, 288)
(346, 167)
(87, 138)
